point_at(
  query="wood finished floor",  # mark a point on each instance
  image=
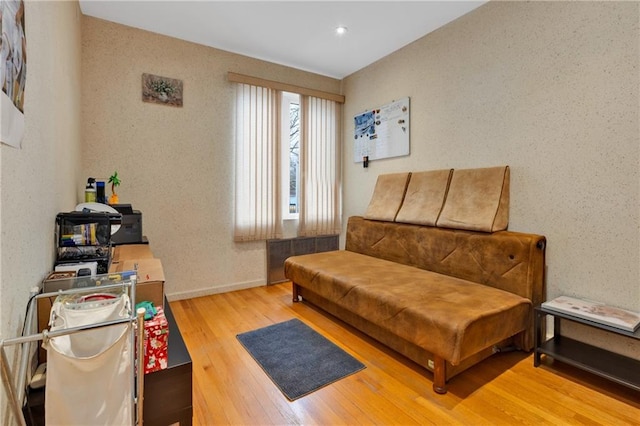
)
(230, 388)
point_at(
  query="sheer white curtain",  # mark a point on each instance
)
(257, 211)
(320, 167)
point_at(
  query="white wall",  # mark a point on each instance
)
(176, 164)
(549, 88)
(552, 90)
(39, 180)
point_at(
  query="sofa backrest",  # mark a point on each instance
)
(477, 200)
(472, 199)
(388, 196)
(425, 197)
(510, 261)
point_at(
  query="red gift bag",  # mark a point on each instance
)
(156, 342)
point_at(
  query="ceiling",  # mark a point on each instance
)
(300, 34)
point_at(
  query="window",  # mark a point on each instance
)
(321, 168)
(257, 196)
(287, 163)
(290, 135)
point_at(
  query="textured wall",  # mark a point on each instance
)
(176, 164)
(39, 180)
(550, 89)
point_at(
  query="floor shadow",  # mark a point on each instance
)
(591, 381)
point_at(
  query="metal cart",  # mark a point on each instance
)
(121, 283)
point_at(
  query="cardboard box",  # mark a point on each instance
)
(156, 343)
(150, 284)
(44, 311)
(131, 251)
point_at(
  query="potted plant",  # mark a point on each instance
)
(114, 180)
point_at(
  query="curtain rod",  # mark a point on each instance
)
(255, 81)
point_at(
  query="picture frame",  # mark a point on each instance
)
(161, 90)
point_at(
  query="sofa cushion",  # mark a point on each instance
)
(425, 197)
(507, 260)
(478, 200)
(387, 196)
(447, 316)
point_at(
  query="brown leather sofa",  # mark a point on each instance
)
(444, 297)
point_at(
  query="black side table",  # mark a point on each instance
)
(168, 392)
(610, 365)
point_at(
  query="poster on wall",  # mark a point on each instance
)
(13, 72)
(382, 132)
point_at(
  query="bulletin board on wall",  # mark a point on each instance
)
(382, 132)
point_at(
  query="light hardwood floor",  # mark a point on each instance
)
(230, 388)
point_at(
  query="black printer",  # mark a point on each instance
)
(130, 231)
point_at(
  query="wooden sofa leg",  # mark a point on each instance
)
(439, 375)
(294, 289)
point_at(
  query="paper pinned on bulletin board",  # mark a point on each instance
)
(382, 132)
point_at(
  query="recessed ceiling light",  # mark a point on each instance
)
(341, 30)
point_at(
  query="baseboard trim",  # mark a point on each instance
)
(190, 294)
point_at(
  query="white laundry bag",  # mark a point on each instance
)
(90, 373)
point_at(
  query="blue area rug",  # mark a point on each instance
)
(298, 359)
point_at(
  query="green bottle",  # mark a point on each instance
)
(90, 191)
